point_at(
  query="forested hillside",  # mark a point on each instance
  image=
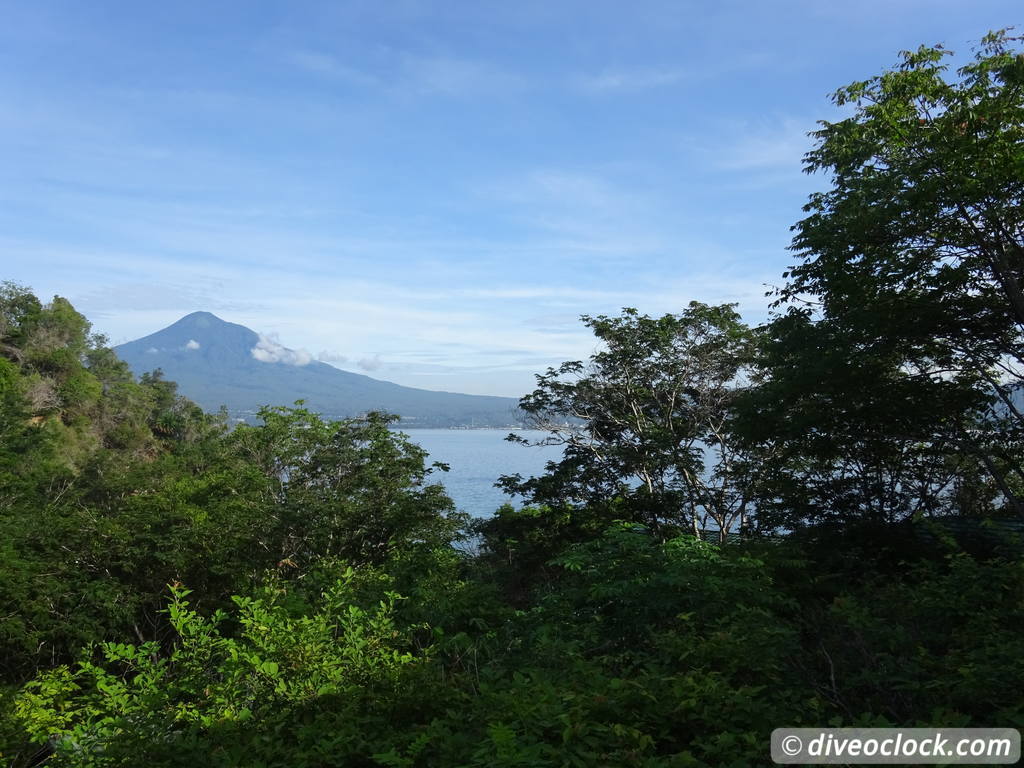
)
(813, 522)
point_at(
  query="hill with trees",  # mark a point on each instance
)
(297, 591)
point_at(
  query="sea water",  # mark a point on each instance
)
(477, 458)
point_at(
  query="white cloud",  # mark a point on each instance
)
(326, 65)
(402, 72)
(588, 213)
(269, 350)
(192, 344)
(450, 76)
(760, 145)
(327, 356)
(632, 80)
(393, 317)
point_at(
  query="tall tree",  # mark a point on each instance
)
(352, 489)
(645, 424)
(908, 297)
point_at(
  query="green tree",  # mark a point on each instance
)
(111, 488)
(19, 312)
(645, 425)
(352, 489)
(900, 357)
(286, 684)
(840, 432)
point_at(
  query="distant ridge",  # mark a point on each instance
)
(214, 364)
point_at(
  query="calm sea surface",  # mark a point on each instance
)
(477, 458)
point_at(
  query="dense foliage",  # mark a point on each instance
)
(900, 353)
(645, 424)
(815, 522)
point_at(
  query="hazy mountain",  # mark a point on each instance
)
(219, 363)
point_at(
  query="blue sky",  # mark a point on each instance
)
(427, 192)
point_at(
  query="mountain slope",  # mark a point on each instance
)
(214, 364)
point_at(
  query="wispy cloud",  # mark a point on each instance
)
(746, 156)
(455, 76)
(579, 211)
(326, 65)
(534, 292)
(127, 295)
(764, 145)
(631, 79)
(405, 72)
(327, 356)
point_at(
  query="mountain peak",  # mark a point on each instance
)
(200, 320)
(199, 334)
(216, 362)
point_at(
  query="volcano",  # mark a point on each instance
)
(217, 363)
